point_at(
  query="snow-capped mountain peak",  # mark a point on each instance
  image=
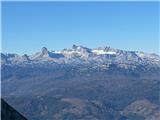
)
(82, 55)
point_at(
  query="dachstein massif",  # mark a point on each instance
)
(83, 84)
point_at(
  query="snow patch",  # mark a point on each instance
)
(101, 52)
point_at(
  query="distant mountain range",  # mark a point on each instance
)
(84, 55)
(102, 58)
(83, 84)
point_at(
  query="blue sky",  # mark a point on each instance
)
(28, 26)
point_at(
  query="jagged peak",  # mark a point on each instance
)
(81, 52)
(81, 48)
(106, 48)
(78, 47)
(74, 46)
(44, 50)
(25, 57)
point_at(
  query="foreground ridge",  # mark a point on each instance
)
(9, 113)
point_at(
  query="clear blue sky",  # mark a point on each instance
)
(28, 26)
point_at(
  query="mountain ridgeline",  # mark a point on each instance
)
(102, 59)
(83, 84)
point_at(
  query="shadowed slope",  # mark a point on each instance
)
(9, 113)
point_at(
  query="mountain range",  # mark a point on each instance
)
(80, 54)
(82, 83)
